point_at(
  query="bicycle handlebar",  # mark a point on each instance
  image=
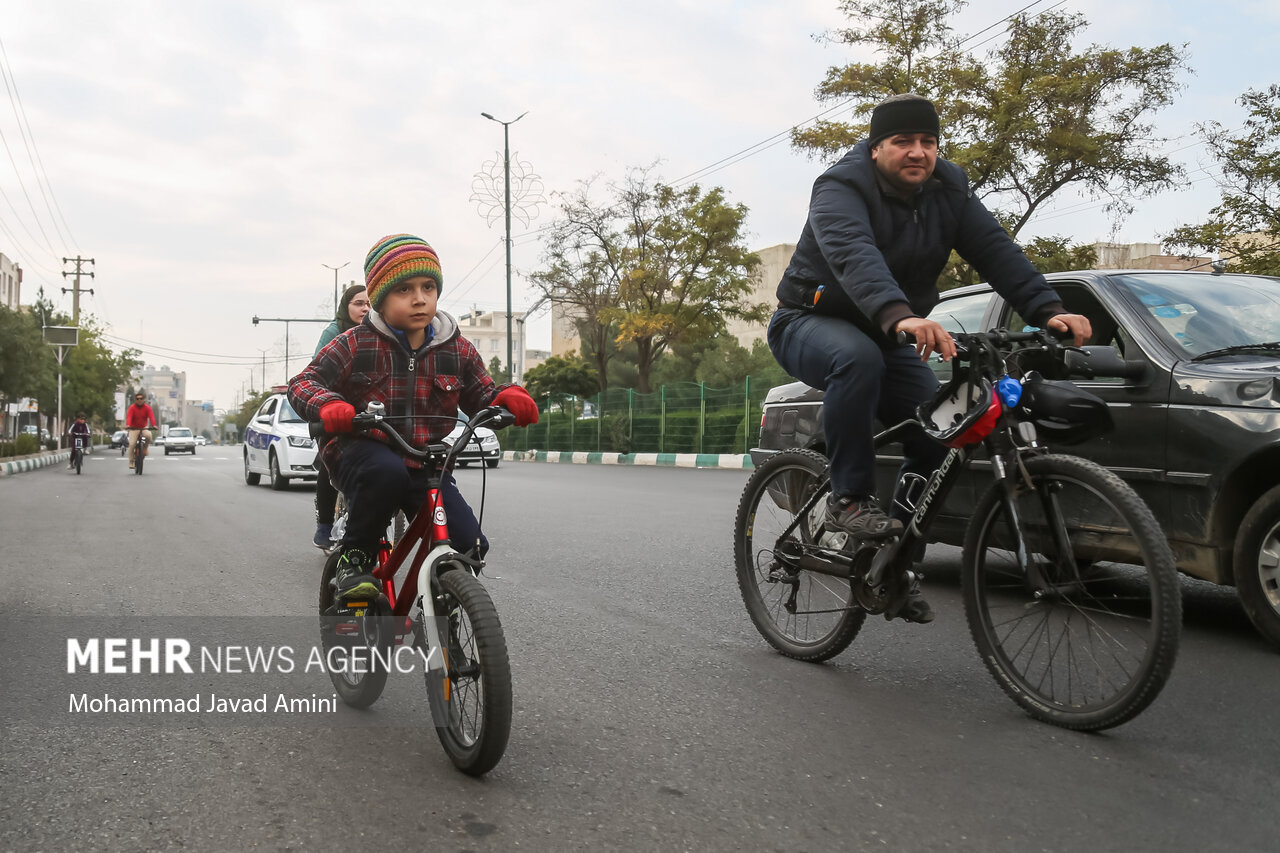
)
(1086, 362)
(497, 416)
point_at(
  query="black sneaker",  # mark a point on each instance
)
(861, 518)
(354, 578)
(916, 609)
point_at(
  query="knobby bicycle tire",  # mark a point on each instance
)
(473, 720)
(1085, 642)
(365, 636)
(825, 620)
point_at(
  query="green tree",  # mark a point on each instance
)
(659, 264)
(25, 363)
(1245, 225)
(247, 409)
(567, 374)
(1033, 117)
(498, 372)
(729, 363)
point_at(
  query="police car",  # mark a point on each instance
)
(276, 443)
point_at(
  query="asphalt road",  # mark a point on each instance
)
(649, 715)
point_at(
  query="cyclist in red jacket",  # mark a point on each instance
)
(136, 419)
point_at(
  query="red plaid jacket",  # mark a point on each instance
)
(368, 363)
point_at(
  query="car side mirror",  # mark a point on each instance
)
(1101, 362)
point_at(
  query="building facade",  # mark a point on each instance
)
(166, 391)
(487, 330)
(10, 283)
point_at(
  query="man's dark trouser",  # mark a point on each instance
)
(863, 383)
(376, 483)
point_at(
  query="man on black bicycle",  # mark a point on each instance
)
(78, 430)
(882, 224)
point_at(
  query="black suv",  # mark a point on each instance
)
(1197, 434)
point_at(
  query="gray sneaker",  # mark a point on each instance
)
(861, 518)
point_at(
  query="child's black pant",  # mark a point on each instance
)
(376, 483)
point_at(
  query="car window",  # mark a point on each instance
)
(1077, 298)
(267, 407)
(287, 414)
(961, 313)
(181, 432)
(1202, 313)
(958, 314)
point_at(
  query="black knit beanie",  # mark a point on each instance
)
(903, 114)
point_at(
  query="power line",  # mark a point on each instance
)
(170, 352)
(28, 139)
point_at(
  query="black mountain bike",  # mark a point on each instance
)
(1070, 588)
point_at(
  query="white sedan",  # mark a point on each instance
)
(277, 443)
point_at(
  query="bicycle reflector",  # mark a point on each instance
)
(963, 412)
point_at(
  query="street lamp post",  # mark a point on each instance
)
(506, 173)
(335, 285)
(286, 321)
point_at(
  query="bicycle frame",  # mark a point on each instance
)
(427, 540)
(881, 567)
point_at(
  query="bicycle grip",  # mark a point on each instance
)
(316, 429)
(906, 338)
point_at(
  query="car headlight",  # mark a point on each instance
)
(489, 441)
(301, 441)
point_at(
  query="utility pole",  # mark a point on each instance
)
(75, 289)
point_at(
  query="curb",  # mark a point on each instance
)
(670, 460)
(31, 463)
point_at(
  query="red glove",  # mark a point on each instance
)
(336, 416)
(517, 401)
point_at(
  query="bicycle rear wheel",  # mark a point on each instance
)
(1086, 637)
(805, 615)
(471, 707)
(357, 642)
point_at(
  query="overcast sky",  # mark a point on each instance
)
(212, 156)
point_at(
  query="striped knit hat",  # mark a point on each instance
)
(395, 258)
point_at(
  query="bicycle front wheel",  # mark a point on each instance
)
(79, 460)
(1083, 632)
(471, 706)
(139, 456)
(805, 615)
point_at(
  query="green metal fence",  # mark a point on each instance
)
(687, 417)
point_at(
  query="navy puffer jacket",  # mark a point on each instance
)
(874, 258)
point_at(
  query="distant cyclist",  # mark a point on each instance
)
(136, 419)
(78, 429)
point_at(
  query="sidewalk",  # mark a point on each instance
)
(671, 460)
(32, 461)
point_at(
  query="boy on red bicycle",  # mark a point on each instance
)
(410, 357)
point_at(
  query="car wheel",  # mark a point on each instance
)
(492, 463)
(1257, 565)
(278, 482)
(166, 451)
(250, 477)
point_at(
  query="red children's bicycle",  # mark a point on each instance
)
(441, 610)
